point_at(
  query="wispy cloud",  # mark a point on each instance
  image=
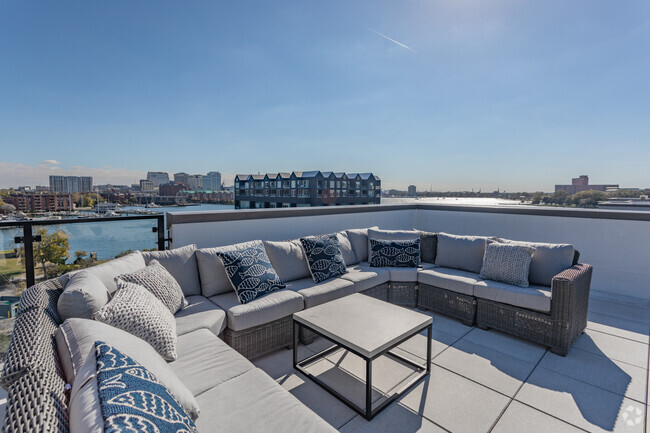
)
(14, 174)
(392, 40)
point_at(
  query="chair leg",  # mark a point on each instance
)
(482, 326)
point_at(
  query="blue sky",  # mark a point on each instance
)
(513, 94)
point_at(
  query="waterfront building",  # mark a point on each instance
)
(581, 183)
(70, 184)
(212, 181)
(181, 178)
(412, 191)
(40, 202)
(308, 188)
(146, 185)
(195, 181)
(170, 189)
(158, 177)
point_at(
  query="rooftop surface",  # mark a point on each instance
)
(486, 381)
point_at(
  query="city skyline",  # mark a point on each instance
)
(444, 95)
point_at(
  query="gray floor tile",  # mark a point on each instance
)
(319, 400)
(620, 327)
(489, 367)
(508, 344)
(454, 402)
(620, 349)
(624, 311)
(579, 403)
(395, 418)
(387, 373)
(418, 344)
(448, 325)
(615, 376)
(520, 418)
(280, 363)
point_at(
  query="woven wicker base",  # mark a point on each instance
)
(531, 325)
(260, 340)
(452, 304)
(403, 293)
(378, 292)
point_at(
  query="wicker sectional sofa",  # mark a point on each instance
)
(218, 336)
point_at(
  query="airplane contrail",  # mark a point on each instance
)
(392, 40)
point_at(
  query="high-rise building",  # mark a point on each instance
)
(158, 177)
(69, 184)
(195, 181)
(181, 178)
(146, 185)
(412, 191)
(170, 189)
(305, 188)
(212, 181)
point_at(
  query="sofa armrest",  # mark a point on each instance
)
(570, 294)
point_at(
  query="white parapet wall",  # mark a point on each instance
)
(617, 244)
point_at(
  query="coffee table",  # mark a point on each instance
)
(369, 328)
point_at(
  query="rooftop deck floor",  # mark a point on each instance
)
(487, 381)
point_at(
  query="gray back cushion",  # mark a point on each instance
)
(392, 235)
(106, 272)
(346, 249)
(288, 259)
(181, 263)
(359, 240)
(461, 252)
(548, 260)
(84, 295)
(428, 246)
(214, 280)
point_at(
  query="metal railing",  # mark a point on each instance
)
(28, 239)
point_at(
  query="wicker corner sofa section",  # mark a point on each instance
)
(38, 395)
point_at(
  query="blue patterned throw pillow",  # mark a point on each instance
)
(250, 272)
(324, 256)
(132, 399)
(401, 254)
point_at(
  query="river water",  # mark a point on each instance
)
(110, 238)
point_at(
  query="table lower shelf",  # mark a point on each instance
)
(369, 412)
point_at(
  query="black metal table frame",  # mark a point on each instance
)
(369, 413)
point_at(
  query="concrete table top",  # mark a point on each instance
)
(362, 323)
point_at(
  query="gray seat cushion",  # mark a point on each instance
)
(364, 277)
(214, 280)
(547, 261)
(319, 293)
(454, 280)
(76, 341)
(201, 313)
(536, 298)
(288, 259)
(181, 263)
(406, 275)
(253, 402)
(359, 241)
(205, 361)
(259, 311)
(461, 252)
